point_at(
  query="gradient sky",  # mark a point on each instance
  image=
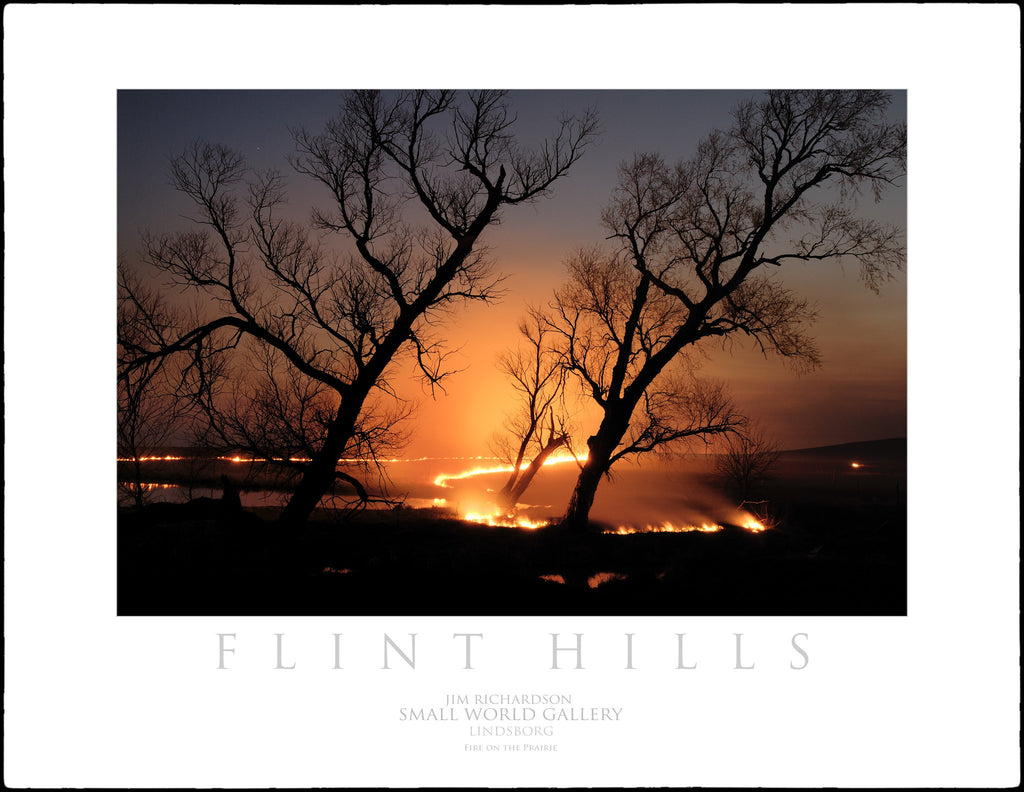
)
(858, 394)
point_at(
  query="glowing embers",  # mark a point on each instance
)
(499, 520)
(604, 577)
(665, 527)
(592, 582)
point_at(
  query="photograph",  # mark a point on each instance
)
(502, 396)
(511, 352)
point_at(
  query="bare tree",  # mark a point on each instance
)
(158, 397)
(612, 329)
(746, 459)
(330, 326)
(538, 427)
(698, 238)
(149, 408)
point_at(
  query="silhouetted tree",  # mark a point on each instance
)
(329, 328)
(149, 406)
(692, 242)
(746, 459)
(612, 327)
(538, 427)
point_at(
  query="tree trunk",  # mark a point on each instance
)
(577, 515)
(600, 446)
(510, 494)
(319, 476)
(316, 481)
(135, 486)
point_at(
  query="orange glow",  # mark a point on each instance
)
(745, 520)
(855, 464)
(753, 525)
(361, 461)
(444, 478)
(553, 578)
(498, 520)
(603, 577)
(151, 459)
(237, 458)
(665, 527)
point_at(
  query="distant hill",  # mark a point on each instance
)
(891, 449)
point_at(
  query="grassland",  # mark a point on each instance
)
(837, 547)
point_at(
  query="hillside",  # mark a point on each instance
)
(889, 450)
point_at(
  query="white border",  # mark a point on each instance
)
(930, 700)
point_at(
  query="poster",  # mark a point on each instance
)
(94, 699)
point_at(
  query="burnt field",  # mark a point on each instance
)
(836, 546)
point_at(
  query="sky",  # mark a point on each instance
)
(859, 393)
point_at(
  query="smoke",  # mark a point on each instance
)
(680, 492)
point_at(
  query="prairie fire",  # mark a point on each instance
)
(444, 478)
(499, 520)
(151, 459)
(664, 527)
(746, 521)
(486, 513)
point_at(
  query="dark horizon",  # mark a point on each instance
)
(170, 447)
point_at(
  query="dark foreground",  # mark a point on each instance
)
(838, 547)
(191, 562)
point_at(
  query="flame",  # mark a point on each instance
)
(665, 527)
(855, 464)
(151, 459)
(238, 458)
(499, 520)
(444, 478)
(753, 525)
(745, 520)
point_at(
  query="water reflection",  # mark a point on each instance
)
(157, 492)
(604, 577)
(177, 493)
